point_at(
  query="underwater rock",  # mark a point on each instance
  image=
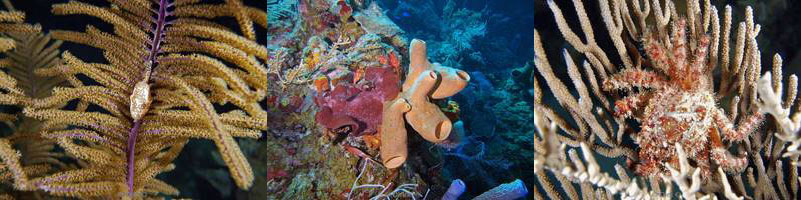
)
(513, 114)
(475, 94)
(482, 83)
(290, 133)
(373, 20)
(508, 191)
(301, 187)
(479, 117)
(481, 121)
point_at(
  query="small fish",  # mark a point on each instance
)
(358, 75)
(393, 60)
(402, 15)
(357, 152)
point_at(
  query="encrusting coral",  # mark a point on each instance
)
(424, 81)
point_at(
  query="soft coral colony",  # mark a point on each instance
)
(688, 94)
(126, 119)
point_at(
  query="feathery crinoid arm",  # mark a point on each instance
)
(164, 73)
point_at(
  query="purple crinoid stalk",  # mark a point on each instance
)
(160, 21)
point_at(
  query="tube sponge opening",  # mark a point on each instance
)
(453, 80)
(425, 117)
(393, 133)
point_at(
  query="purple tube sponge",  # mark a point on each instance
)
(456, 190)
(508, 191)
(358, 105)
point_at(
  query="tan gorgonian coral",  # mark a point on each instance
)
(166, 67)
(23, 154)
(38, 156)
(11, 22)
(671, 56)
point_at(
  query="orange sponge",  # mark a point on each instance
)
(393, 133)
(424, 81)
(453, 80)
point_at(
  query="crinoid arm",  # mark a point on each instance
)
(626, 106)
(633, 77)
(728, 162)
(746, 126)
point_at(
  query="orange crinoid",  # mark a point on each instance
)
(676, 103)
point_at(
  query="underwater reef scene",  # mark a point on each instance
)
(399, 99)
(275, 99)
(664, 99)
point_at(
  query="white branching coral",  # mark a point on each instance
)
(688, 188)
(769, 89)
(771, 103)
(684, 87)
